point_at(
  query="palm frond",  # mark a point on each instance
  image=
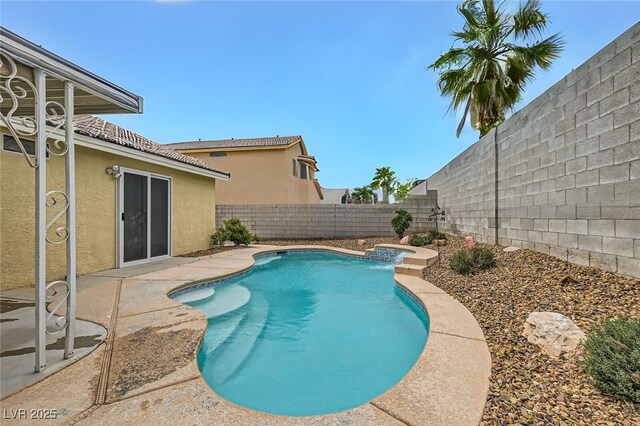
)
(529, 19)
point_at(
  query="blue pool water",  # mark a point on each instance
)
(308, 333)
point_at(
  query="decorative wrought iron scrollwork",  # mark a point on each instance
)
(57, 293)
(14, 89)
(55, 198)
(56, 114)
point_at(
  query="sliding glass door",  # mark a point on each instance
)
(145, 217)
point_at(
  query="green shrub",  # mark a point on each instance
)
(401, 222)
(433, 235)
(220, 236)
(418, 240)
(234, 231)
(613, 358)
(468, 262)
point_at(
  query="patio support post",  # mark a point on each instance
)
(70, 219)
(41, 222)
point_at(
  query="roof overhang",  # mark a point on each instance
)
(318, 188)
(93, 94)
(311, 161)
(233, 149)
(125, 151)
(147, 157)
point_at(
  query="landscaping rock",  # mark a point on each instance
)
(556, 334)
(510, 249)
(440, 242)
(362, 242)
(469, 242)
(405, 240)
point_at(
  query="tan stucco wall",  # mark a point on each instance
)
(262, 176)
(193, 214)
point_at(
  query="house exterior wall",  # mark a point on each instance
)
(568, 169)
(262, 176)
(193, 214)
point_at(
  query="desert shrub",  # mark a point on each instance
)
(401, 222)
(613, 358)
(468, 262)
(418, 240)
(238, 233)
(220, 236)
(234, 231)
(433, 235)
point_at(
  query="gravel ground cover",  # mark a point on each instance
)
(527, 386)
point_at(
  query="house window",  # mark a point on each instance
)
(9, 144)
(295, 168)
(303, 171)
(217, 154)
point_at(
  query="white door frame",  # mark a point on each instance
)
(120, 211)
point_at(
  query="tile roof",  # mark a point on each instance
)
(236, 143)
(96, 127)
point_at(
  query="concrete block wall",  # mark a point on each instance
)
(327, 221)
(568, 169)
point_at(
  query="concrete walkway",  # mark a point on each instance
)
(146, 371)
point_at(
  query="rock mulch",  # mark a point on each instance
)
(527, 386)
(350, 244)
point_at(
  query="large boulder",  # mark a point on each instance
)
(554, 333)
(405, 240)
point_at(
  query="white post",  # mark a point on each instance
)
(71, 219)
(41, 222)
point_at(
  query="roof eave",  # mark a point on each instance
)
(120, 100)
(147, 157)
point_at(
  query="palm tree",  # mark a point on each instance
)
(362, 195)
(401, 190)
(488, 72)
(385, 179)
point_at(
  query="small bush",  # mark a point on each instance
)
(433, 235)
(613, 358)
(234, 231)
(220, 236)
(401, 222)
(468, 262)
(418, 240)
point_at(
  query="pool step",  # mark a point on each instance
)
(232, 355)
(196, 295)
(224, 329)
(410, 269)
(225, 300)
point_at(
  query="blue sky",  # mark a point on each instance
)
(348, 76)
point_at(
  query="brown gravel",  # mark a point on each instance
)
(350, 244)
(210, 251)
(528, 387)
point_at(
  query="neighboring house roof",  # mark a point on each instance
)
(98, 128)
(237, 143)
(334, 195)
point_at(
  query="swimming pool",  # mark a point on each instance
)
(307, 333)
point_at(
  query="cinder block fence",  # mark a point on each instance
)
(326, 221)
(562, 175)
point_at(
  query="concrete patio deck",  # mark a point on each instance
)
(146, 371)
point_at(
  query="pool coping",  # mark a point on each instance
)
(405, 400)
(448, 384)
